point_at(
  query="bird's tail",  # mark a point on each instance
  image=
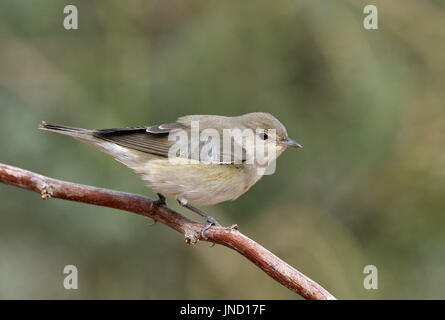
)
(65, 130)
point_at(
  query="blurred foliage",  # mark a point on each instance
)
(368, 106)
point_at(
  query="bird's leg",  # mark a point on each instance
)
(209, 220)
(161, 201)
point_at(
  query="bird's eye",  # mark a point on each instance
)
(263, 136)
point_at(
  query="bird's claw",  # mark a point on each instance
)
(210, 222)
(161, 201)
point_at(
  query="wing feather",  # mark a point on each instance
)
(154, 140)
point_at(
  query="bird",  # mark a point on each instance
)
(199, 159)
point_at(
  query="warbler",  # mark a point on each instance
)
(202, 159)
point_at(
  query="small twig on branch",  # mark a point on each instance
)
(229, 237)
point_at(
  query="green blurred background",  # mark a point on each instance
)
(368, 106)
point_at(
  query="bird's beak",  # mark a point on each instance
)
(289, 143)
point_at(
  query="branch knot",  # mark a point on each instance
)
(47, 191)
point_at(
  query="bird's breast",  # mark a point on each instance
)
(199, 183)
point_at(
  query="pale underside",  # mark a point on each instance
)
(185, 180)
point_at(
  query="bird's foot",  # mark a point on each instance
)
(161, 201)
(210, 221)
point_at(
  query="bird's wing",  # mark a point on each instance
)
(155, 140)
(152, 139)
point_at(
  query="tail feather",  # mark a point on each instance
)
(62, 129)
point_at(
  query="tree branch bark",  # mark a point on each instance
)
(228, 237)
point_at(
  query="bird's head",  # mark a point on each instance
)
(270, 133)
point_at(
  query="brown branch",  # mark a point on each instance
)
(229, 237)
